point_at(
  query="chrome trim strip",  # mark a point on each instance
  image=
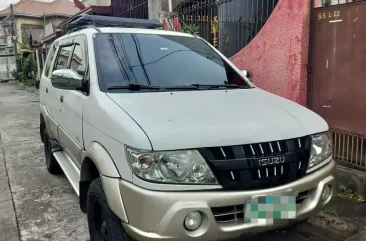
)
(260, 146)
(251, 147)
(270, 146)
(222, 151)
(232, 176)
(279, 146)
(229, 213)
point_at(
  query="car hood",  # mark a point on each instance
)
(192, 119)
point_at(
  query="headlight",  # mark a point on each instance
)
(179, 167)
(321, 149)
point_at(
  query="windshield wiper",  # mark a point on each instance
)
(181, 87)
(133, 87)
(229, 86)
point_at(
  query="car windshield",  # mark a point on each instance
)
(161, 61)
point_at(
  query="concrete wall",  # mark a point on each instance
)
(157, 6)
(320, 3)
(35, 21)
(278, 55)
(55, 20)
(24, 20)
(97, 2)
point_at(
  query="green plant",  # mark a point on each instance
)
(190, 28)
(29, 82)
(349, 194)
(26, 69)
(331, 210)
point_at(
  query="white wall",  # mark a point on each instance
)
(97, 2)
(335, 2)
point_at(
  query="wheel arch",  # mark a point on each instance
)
(98, 163)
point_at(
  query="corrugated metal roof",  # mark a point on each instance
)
(39, 9)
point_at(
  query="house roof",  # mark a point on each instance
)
(32, 8)
(98, 10)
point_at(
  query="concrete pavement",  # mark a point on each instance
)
(38, 206)
(34, 205)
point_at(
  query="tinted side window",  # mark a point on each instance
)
(62, 61)
(51, 54)
(78, 61)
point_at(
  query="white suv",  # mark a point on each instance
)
(162, 137)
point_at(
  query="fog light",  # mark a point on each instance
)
(327, 192)
(193, 221)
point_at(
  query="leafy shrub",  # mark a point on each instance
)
(29, 82)
(26, 69)
(190, 28)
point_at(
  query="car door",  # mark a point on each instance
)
(54, 94)
(48, 93)
(46, 101)
(73, 102)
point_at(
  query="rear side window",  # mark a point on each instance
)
(51, 54)
(62, 61)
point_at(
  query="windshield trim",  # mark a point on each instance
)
(104, 87)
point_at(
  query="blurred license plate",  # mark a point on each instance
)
(263, 210)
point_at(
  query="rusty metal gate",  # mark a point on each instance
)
(338, 77)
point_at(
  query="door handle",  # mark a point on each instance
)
(62, 99)
(46, 89)
(327, 106)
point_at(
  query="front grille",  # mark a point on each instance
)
(261, 165)
(229, 213)
(236, 213)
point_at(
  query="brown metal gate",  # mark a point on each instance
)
(338, 77)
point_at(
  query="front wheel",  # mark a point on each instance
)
(104, 225)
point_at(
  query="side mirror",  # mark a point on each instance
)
(66, 79)
(245, 73)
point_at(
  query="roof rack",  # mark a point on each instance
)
(85, 21)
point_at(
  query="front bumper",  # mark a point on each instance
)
(157, 215)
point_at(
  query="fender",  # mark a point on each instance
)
(102, 160)
(108, 174)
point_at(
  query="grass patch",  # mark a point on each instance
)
(28, 82)
(349, 194)
(331, 210)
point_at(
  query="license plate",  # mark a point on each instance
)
(263, 210)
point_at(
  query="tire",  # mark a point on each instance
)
(104, 225)
(51, 163)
